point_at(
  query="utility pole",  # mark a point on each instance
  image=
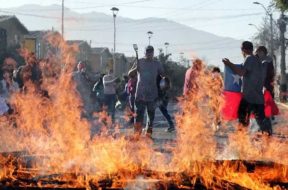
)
(269, 13)
(62, 23)
(272, 42)
(271, 36)
(114, 11)
(283, 81)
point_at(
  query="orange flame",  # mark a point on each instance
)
(52, 130)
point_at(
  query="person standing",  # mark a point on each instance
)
(163, 85)
(109, 84)
(98, 93)
(84, 86)
(131, 90)
(123, 93)
(147, 70)
(253, 73)
(267, 61)
(216, 88)
(7, 87)
(191, 75)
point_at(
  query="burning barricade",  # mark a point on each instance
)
(46, 144)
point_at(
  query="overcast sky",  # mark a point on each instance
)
(222, 17)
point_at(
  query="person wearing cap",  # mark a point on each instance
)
(147, 70)
(84, 86)
(253, 73)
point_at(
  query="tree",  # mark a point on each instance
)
(262, 38)
(262, 35)
(282, 5)
(175, 72)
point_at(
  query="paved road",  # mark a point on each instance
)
(162, 138)
(280, 124)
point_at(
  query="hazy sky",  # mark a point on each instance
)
(222, 17)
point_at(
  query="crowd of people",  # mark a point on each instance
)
(17, 79)
(145, 88)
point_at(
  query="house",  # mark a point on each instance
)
(101, 59)
(15, 31)
(3, 40)
(130, 61)
(121, 64)
(84, 50)
(38, 43)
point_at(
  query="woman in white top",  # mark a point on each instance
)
(109, 84)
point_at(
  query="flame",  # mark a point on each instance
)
(60, 145)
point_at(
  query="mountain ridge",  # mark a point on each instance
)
(98, 27)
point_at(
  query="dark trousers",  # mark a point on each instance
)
(141, 106)
(163, 108)
(110, 101)
(270, 88)
(245, 110)
(132, 108)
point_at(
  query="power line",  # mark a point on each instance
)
(96, 6)
(214, 42)
(133, 24)
(139, 26)
(145, 7)
(195, 6)
(35, 15)
(222, 17)
(129, 2)
(184, 8)
(28, 14)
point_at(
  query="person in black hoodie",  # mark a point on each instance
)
(163, 85)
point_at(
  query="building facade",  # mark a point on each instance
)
(15, 31)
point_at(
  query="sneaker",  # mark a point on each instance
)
(170, 129)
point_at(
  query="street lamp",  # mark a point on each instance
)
(269, 13)
(166, 47)
(114, 11)
(250, 24)
(62, 20)
(150, 34)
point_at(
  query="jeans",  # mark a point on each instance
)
(110, 101)
(245, 110)
(141, 106)
(164, 111)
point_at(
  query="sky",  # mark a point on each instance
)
(229, 18)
